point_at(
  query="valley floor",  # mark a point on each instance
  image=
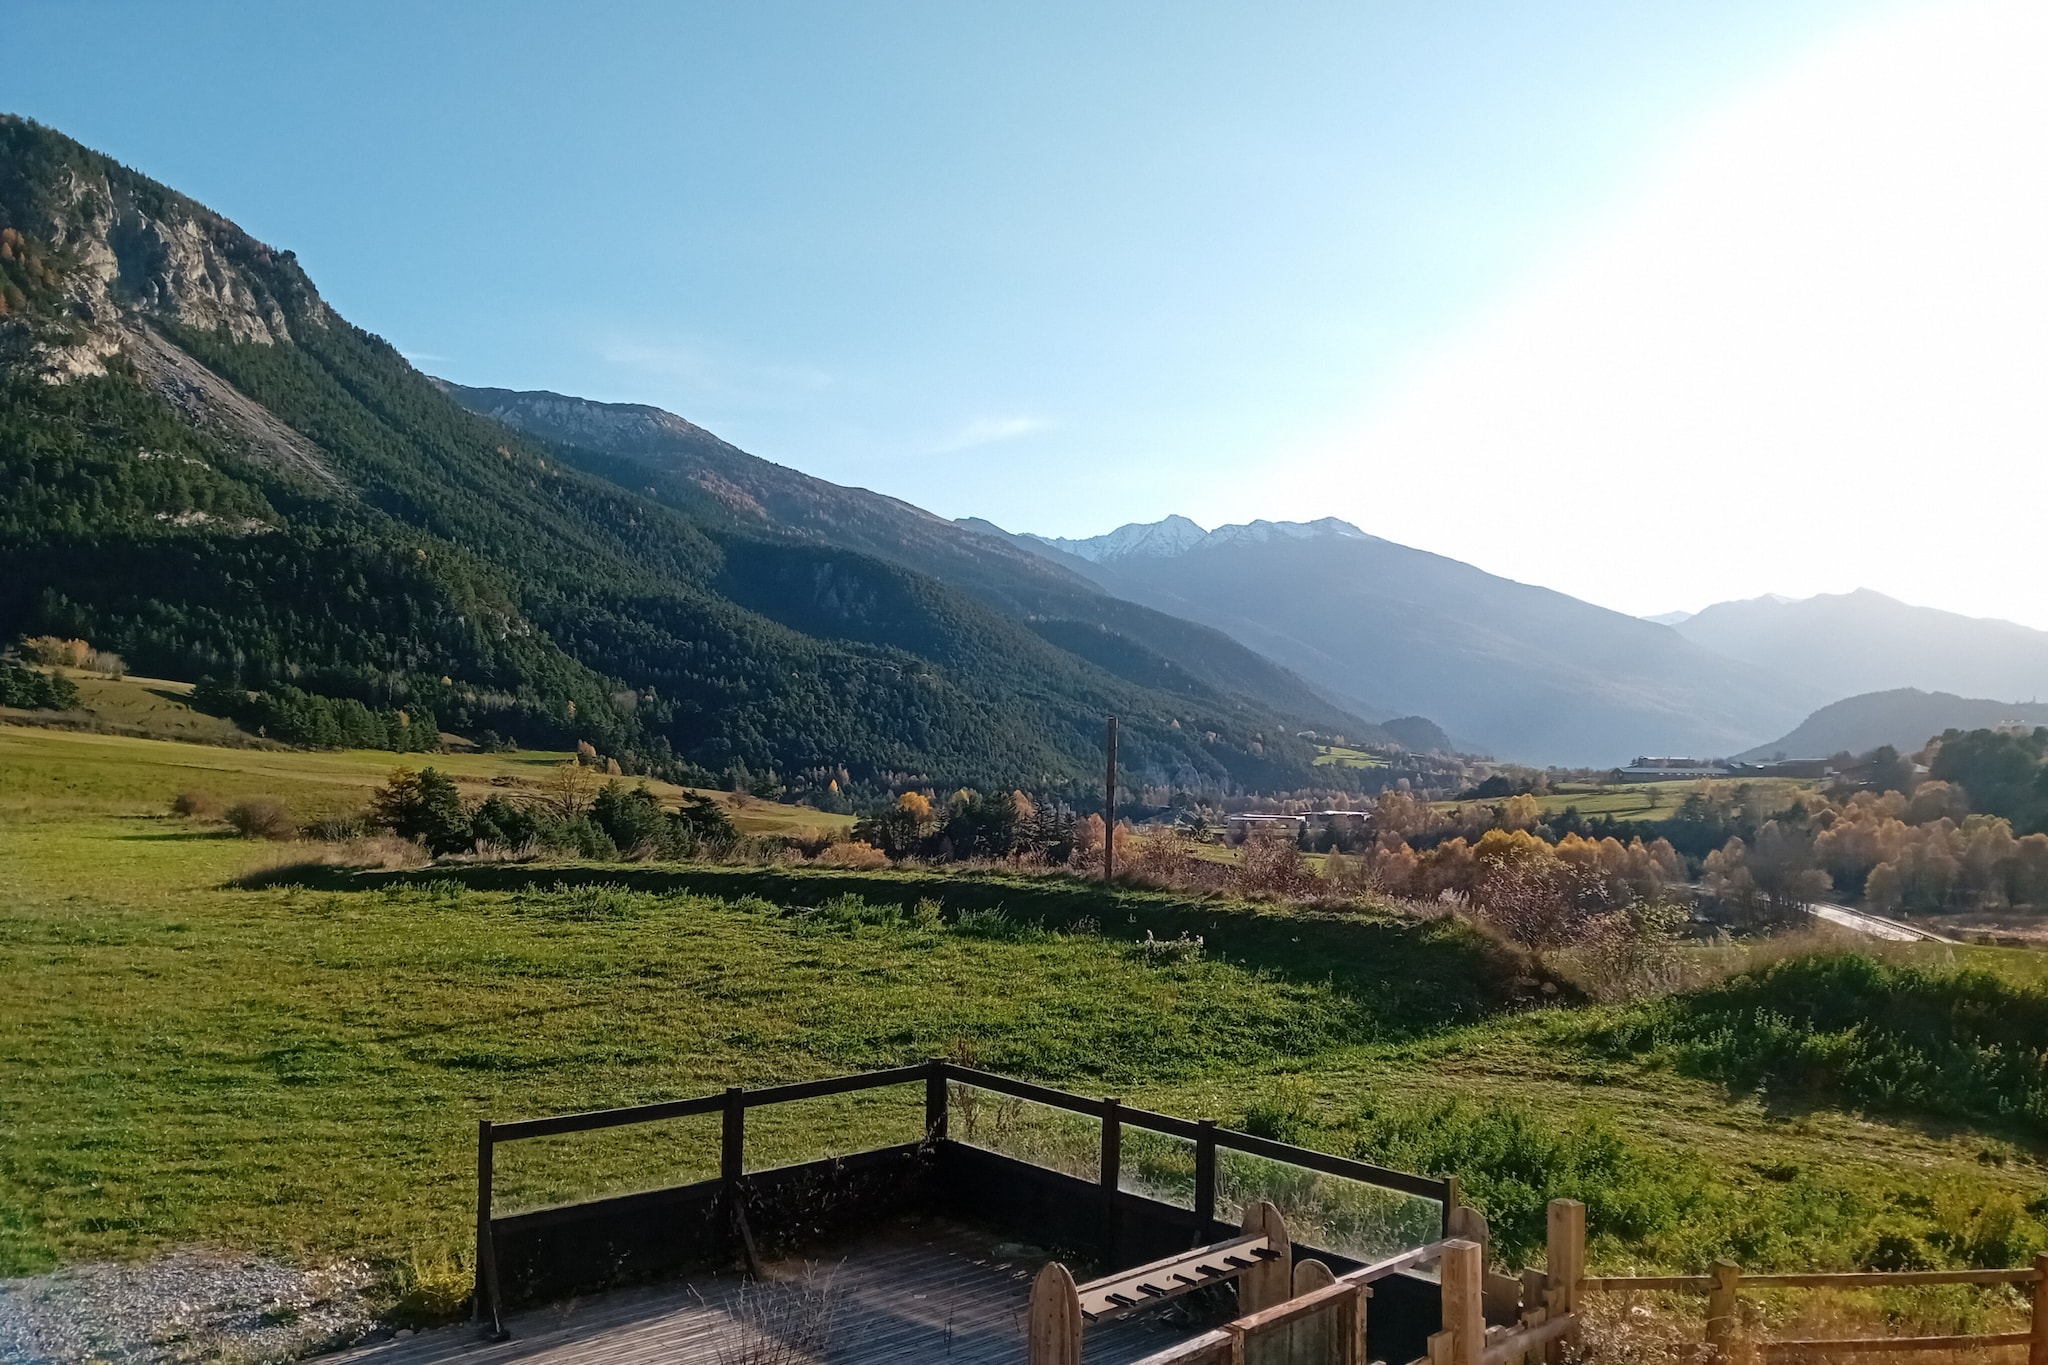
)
(298, 1070)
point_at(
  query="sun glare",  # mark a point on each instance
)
(1817, 343)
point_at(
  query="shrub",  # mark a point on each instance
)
(338, 828)
(1169, 951)
(30, 690)
(1512, 1163)
(262, 817)
(196, 805)
(1848, 1027)
(426, 807)
(854, 855)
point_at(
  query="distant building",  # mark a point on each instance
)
(1238, 828)
(1788, 767)
(1341, 822)
(1646, 769)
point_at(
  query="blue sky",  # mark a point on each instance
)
(1058, 265)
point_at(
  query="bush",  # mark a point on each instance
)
(854, 855)
(1511, 1163)
(262, 817)
(29, 690)
(424, 806)
(196, 805)
(1848, 1027)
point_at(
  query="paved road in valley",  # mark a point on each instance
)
(1874, 925)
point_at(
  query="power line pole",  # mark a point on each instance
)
(1109, 808)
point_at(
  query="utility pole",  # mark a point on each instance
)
(1109, 808)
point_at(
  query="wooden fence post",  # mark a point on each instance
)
(1565, 1262)
(1110, 1173)
(935, 1098)
(1725, 1276)
(1053, 1331)
(1205, 1179)
(2037, 1347)
(486, 1293)
(1464, 1287)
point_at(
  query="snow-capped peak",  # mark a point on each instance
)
(1177, 535)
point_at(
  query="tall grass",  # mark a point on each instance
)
(1847, 1029)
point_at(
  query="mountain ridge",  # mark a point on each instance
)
(1860, 642)
(154, 359)
(1527, 673)
(713, 480)
(1905, 718)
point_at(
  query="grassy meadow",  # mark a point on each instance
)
(1631, 801)
(296, 1063)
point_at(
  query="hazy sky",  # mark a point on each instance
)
(1654, 303)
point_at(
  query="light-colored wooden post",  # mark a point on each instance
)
(1724, 1276)
(1464, 1291)
(1316, 1339)
(1351, 1350)
(2037, 1346)
(1565, 1262)
(1053, 1331)
(1269, 1283)
(1440, 1348)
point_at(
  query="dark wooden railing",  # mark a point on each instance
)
(936, 1075)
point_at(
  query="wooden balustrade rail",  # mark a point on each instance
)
(1726, 1280)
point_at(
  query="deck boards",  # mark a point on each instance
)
(930, 1291)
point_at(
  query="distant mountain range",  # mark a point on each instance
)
(1847, 644)
(210, 471)
(1508, 668)
(1905, 718)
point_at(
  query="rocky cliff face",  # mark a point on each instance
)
(129, 251)
(112, 258)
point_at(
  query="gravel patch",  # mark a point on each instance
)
(191, 1305)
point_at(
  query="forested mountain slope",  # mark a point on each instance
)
(717, 484)
(1905, 718)
(204, 467)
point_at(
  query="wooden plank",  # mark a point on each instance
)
(1271, 1281)
(1515, 1345)
(605, 1118)
(1052, 1333)
(1725, 1276)
(1565, 1261)
(1862, 1345)
(837, 1085)
(1169, 1278)
(1210, 1348)
(1463, 1277)
(1863, 1279)
(1649, 1284)
(1291, 1310)
(1318, 1338)
(2037, 1342)
(1324, 1163)
(1392, 1265)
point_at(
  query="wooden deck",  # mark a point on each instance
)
(927, 1291)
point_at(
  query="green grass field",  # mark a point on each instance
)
(1336, 756)
(53, 771)
(1641, 800)
(300, 1068)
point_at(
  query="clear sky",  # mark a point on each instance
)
(1654, 303)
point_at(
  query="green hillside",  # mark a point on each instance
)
(206, 469)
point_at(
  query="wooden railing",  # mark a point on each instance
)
(1206, 1136)
(1725, 1281)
